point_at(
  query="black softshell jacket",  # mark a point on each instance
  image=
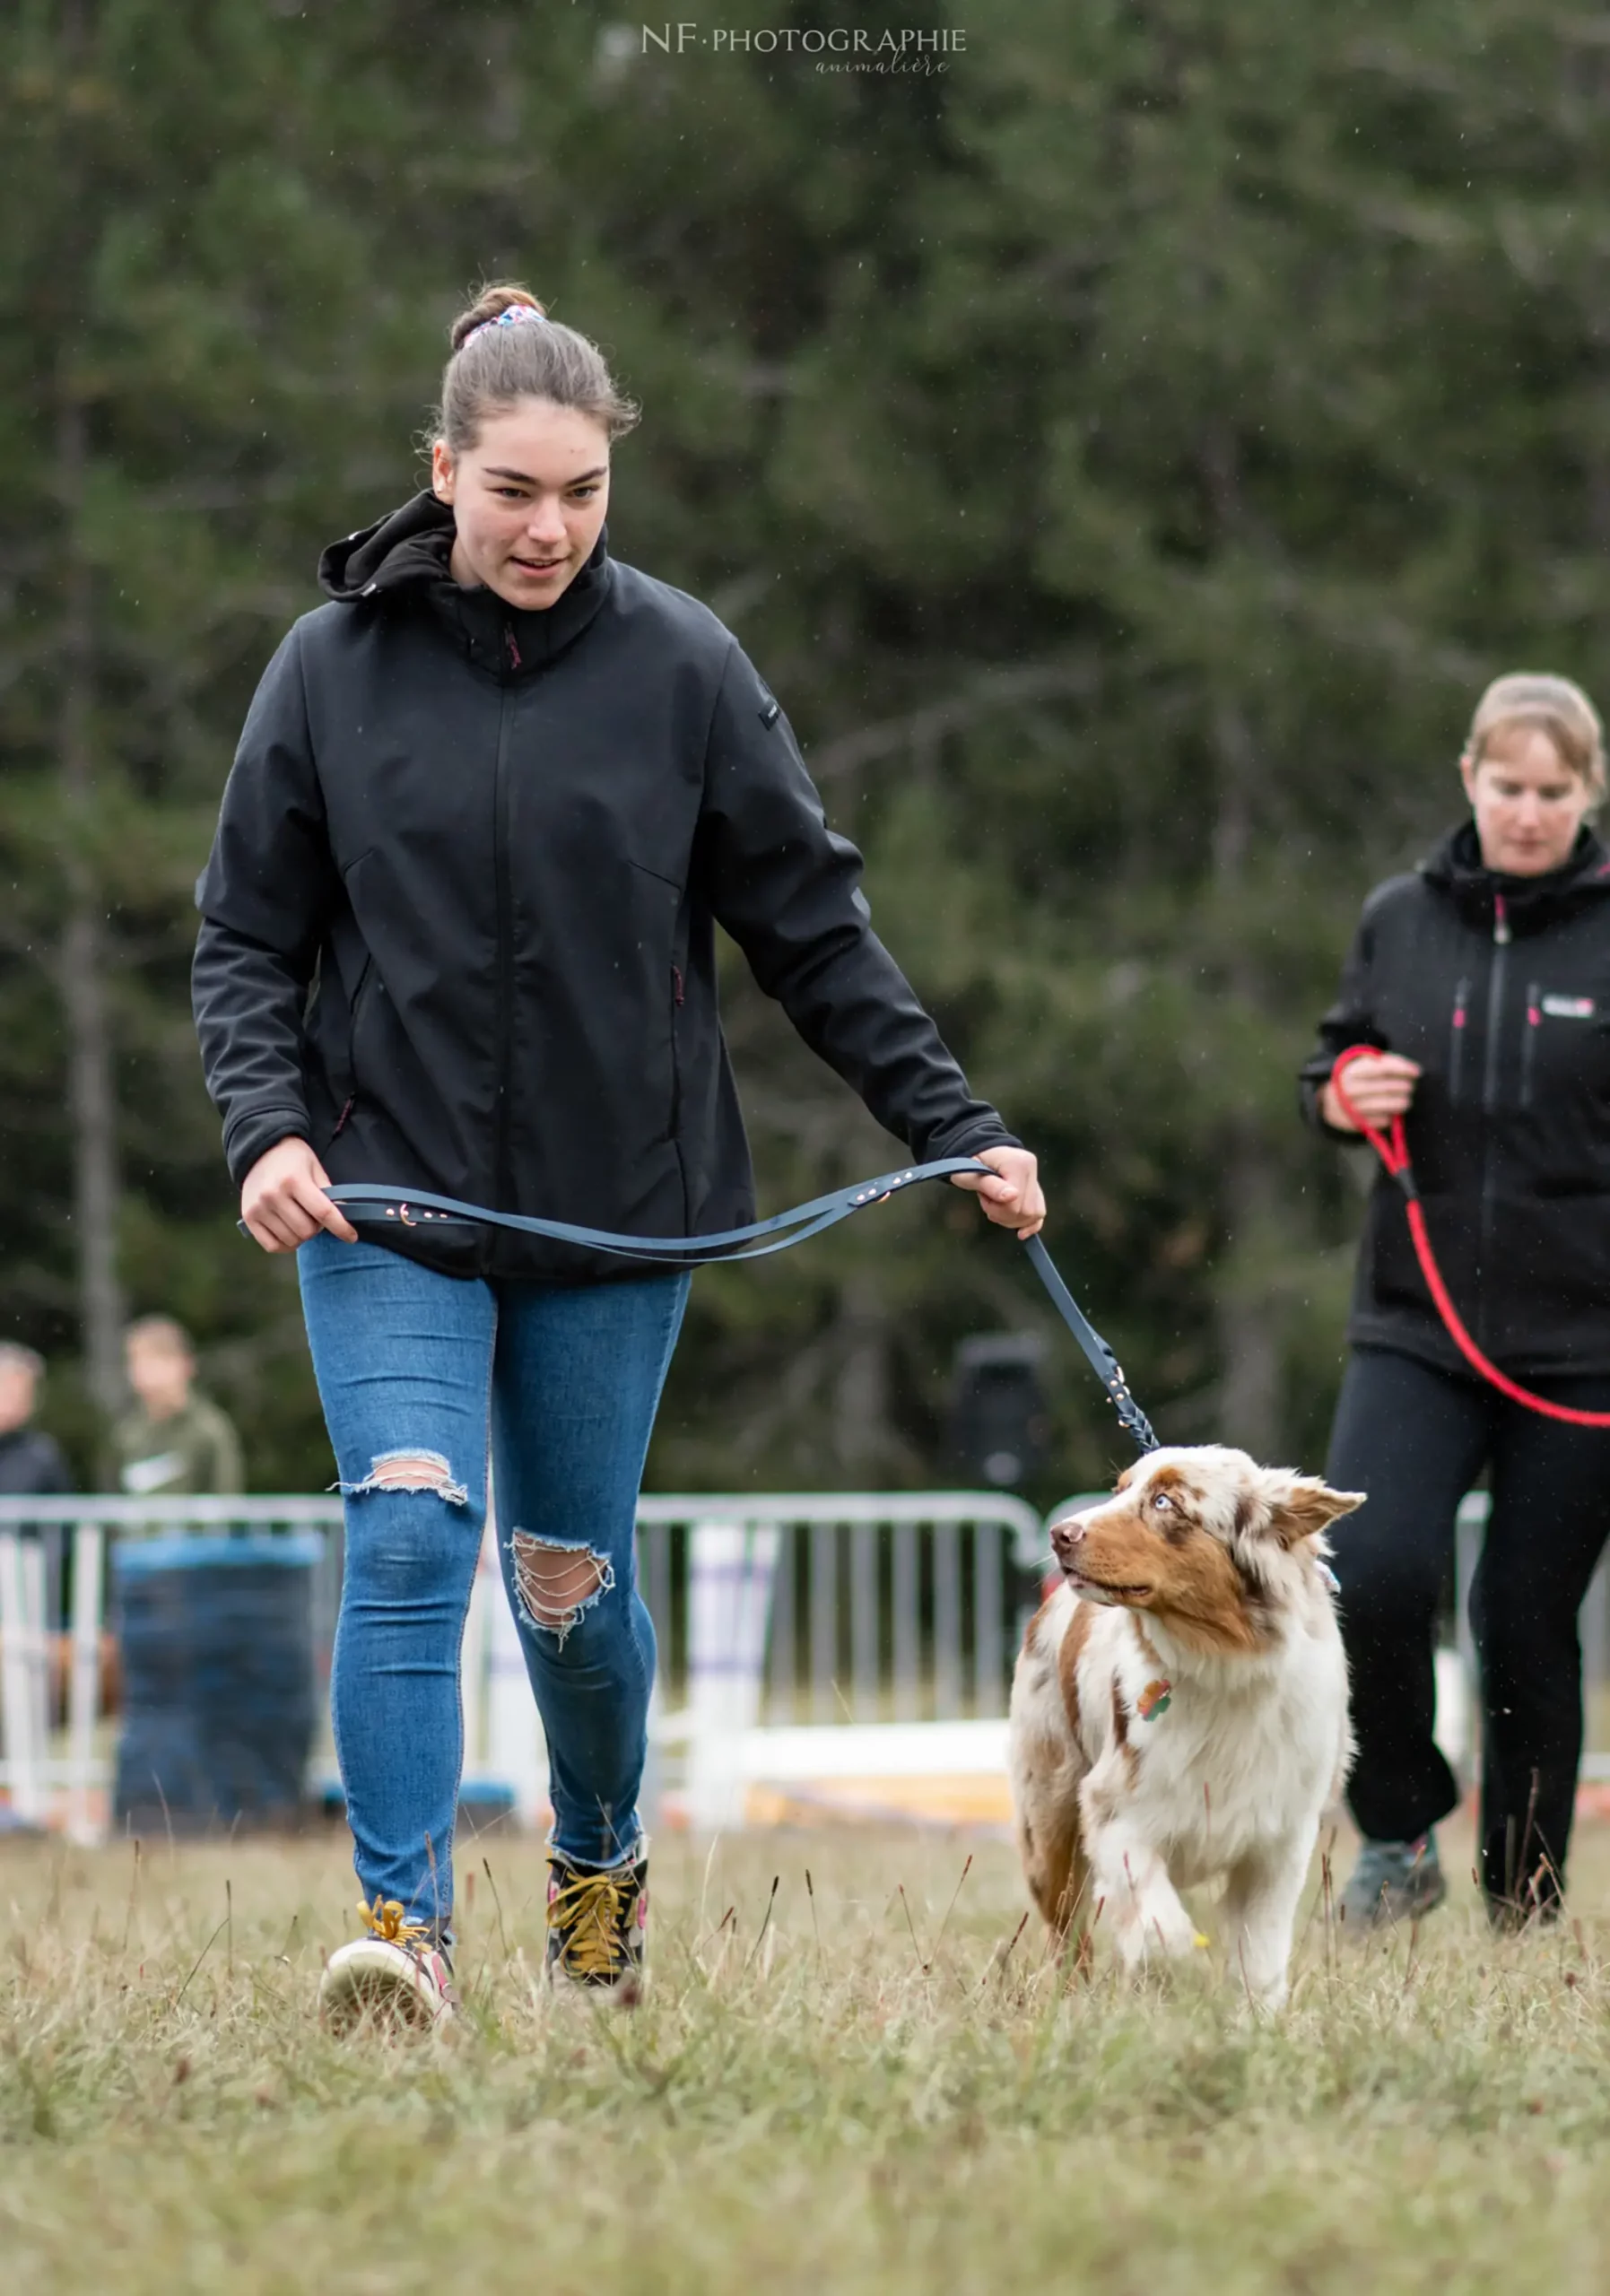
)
(1500, 988)
(459, 914)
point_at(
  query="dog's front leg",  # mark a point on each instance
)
(1261, 1913)
(1131, 1885)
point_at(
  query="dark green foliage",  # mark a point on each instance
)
(1126, 453)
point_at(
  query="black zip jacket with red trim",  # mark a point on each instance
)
(458, 919)
(1498, 987)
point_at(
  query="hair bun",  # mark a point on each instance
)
(497, 363)
(491, 303)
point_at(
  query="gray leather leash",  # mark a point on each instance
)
(419, 1208)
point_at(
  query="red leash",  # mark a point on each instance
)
(1393, 1149)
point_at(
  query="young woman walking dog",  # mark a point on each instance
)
(1483, 981)
(458, 934)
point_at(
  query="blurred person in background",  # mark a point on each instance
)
(32, 1465)
(173, 1439)
(495, 798)
(1484, 979)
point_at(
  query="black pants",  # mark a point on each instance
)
(1415, 1438)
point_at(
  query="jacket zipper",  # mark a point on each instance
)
(1456, 1059)
(1495, 993)
(1528, 1045)
(502, 881)
(365, 980)
(677, 1000)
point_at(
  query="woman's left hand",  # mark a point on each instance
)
(1013, 1199)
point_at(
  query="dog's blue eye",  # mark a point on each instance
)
(1162, 1499)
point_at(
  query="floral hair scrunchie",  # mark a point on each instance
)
(516, 315)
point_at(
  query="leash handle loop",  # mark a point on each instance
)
(1392, 1146)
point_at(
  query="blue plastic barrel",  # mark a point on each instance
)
(215, 1636)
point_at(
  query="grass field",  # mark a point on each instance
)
(851, 2101)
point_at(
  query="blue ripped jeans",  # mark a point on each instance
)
(415, 1370)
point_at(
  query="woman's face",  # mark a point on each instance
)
(1528, 804)
(528, 499)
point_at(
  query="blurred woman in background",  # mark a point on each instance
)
(1483, 978)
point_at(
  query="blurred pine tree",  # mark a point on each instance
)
(1125, 454)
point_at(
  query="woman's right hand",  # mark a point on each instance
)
(284, 1202)
(1379, 1087)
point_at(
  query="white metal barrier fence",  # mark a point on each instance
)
(802, 1637)
(830, 1636)
(884, 1607)
(780, 1618)
(56, 1646)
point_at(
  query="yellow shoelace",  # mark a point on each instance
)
(591, 1908)
(384, 1919)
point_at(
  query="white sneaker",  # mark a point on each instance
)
(398, 1977)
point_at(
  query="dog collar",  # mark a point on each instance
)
(1153, 1699)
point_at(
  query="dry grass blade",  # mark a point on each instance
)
(765, 1922)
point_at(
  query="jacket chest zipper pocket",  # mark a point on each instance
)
(351, 1086)
(1543, 1005)
(365, 981)
(1528, 1043)
(1455, 1055)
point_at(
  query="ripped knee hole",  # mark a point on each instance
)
(409, 1470)
(558, 1584)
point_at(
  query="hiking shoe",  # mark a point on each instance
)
(398, 1978)
(1393, 1881)
(598, 1927)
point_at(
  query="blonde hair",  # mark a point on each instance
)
(493, 368)
(1552, 706)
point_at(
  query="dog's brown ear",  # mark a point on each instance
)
(1305, 1505)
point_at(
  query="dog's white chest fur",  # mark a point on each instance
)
(1224, 1760)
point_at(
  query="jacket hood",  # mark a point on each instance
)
(406, 555)
(1530, 903)
(412, 544)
